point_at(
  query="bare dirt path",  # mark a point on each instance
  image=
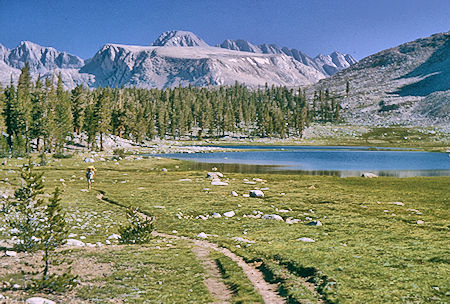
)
(213, 282)
(265, 289)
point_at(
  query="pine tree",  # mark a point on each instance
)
(38, 113)
(27, 209)
(78, 103)
(63, 115)
(55, 231)
(24, 88)
(102, 114)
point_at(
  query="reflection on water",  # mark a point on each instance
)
(336, 161)
(260, 169)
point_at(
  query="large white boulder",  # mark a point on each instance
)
(256, 193)
(229, 214)
(306, 240)
(74, 242)
(88, 160)
(369, 175)
(10, 253)
(39, 300)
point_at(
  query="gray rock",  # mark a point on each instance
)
(164, 169)
(218, 183)
(306, 240)
(114, 237)
(88, 160)
(39, 300)
(76, 243)
(229, 214)
(242, 240)
(234, 193)
(368, 175)
(256, 193)
(216, 215)
(10, 253)
(272, 217)
(202, 235)
(214, 175)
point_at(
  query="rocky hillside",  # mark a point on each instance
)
(408, 84)
(326, 64)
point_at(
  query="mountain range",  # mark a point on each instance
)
(175, 58)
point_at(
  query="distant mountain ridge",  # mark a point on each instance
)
(174, 58)
(326, 64)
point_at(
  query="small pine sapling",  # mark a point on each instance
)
(53, 236)
(26, 210)
(139, 229)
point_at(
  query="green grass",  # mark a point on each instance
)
(153, 273)
(371, 250)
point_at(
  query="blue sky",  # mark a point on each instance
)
(357, 27)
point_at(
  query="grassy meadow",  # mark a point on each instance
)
(383, 240)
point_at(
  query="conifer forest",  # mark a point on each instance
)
(41, 116)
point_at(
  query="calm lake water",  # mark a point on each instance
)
(339, 161)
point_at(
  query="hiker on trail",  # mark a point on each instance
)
(90, 176)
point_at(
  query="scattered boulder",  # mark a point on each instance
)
(420, 222)
(218, 183)
(398, 203)
(272, 217)
(256, 193)
(10, 253)
(229, 214)
(88, 160)
(114, 237)
(234, 193)
(290, 220)
(216, 215)
(74, 242)
(306, 240)
(369, 175)
(39, 300)
(202, 235)
(214, 175)
(164, 169)
(246, 195)
(314, 223)
(250, 183)
(242, 240)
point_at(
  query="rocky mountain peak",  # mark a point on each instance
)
(40, 58)
(179, 38)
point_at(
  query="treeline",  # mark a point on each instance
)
(41, 116)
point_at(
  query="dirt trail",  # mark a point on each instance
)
(265, 289)
(213, 282)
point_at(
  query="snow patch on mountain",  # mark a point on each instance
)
(325, 64)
